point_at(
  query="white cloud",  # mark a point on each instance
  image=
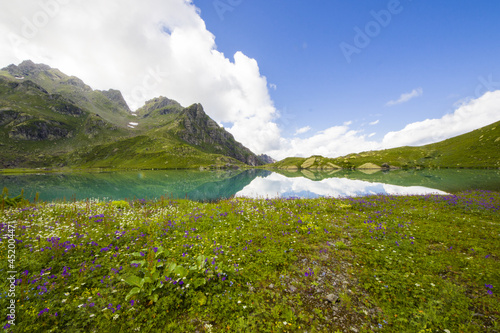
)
(332, 142)
(374, 122)
(273, 86)
(303, 130)
(342, 140)
(475, 114)
(406, 97)
(145, 49)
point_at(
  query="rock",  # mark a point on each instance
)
(330, 166)
(266, 159)
(332, 298)
(200, 130)
(117, 97)
(307, 163)
(38, 130)
(369, 166)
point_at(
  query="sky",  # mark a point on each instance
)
(285, 77)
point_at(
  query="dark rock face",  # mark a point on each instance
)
(25, 68)
(65, 107)
(27, 86)
(13, 117)
(38, 130)
(202, 131)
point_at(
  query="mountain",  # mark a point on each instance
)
(50, 119)
(477, 149)
(267, 159)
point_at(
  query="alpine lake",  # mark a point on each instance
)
(254, 183)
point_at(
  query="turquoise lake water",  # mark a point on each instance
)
(214, 185)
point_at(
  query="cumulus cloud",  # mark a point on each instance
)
(303, 130)
(342, 140)
(406, 97)
(145, 49)
(332, 142)
(470, 116)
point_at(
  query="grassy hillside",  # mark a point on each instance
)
(476, 149)
(35, 126)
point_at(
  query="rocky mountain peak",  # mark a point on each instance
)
(161, 105)
(27, 67)
(117, 97)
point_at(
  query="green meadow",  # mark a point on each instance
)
(363, 264)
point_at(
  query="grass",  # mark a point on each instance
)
(378, 263)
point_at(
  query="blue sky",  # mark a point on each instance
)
(285, 77)
(442, 47)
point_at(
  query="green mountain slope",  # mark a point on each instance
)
(49, 119)
(110, 104)
(476, 149)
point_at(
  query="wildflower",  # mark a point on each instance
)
(44, 310)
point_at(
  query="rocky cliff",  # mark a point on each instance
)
(201, 131)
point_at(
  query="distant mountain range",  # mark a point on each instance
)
(476, 149)
(49, 119)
